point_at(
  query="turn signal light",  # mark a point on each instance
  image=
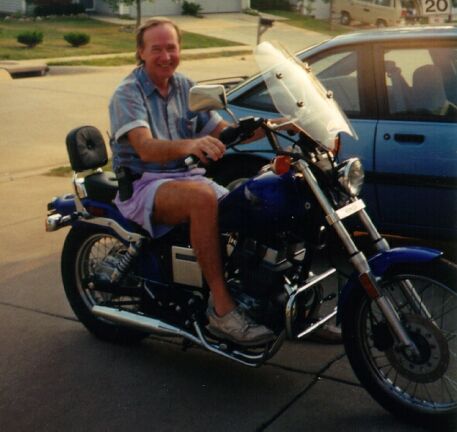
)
(281, 164)
(337, 145)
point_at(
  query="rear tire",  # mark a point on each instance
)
(421, 390)
(84, 248)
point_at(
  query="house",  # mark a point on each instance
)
(13, 6)
(149, 8)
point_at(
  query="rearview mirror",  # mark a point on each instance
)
(207, 97)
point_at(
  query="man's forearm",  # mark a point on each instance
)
(161, 151)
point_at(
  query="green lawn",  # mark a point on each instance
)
(105, 38)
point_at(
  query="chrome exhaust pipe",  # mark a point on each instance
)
(141, 322)
(147, 324)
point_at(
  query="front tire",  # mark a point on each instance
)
(419, 389)
(84, 249)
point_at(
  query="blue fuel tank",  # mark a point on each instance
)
(266, 204)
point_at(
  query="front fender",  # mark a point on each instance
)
(382, 262)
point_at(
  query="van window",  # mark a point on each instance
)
(337, 71)
(386, 3)
(421, 82)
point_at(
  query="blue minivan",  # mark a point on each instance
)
(399, 89)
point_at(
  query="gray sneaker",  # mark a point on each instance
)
(237, 327)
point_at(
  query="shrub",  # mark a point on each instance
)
(30, 38)
(77, 39)
(189, 8)
(271, 4)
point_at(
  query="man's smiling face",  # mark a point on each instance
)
(160, 52)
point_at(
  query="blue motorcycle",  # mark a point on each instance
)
(398, 309)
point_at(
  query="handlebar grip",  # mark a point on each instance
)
(191, 161)
(229, 134)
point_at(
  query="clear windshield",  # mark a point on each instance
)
(300, 97)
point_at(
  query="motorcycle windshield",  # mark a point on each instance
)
(300, 97)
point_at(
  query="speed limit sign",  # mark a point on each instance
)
(436, 7)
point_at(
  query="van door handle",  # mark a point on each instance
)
(366, 10)
(409, 138)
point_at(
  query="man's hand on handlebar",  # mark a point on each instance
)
(207, 148)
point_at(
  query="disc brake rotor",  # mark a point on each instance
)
(433, 360)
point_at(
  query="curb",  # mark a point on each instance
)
(40, 66)
(4, 74)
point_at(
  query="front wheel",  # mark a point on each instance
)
(421, 388)
(88, 251)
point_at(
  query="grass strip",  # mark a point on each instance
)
(106, 38)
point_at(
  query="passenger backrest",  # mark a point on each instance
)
(86, 148)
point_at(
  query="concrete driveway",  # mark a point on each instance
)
(242, 28)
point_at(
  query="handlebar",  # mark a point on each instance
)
(233, 135)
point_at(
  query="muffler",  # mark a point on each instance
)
(141, 322)
(147, 324)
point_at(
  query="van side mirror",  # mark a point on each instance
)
(207, 97)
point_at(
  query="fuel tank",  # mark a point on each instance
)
(267, 203)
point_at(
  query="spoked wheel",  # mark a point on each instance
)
(419, 387)
(88, 253)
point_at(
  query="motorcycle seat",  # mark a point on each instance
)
(101, 186)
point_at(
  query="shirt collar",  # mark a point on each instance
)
(148, 86)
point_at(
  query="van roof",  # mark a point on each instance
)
(393, 34)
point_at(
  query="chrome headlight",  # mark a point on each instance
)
(351, 176)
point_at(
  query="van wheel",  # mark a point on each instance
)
(345, 18)
(381, 23)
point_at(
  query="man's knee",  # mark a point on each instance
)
(176, 202)
(204, 195)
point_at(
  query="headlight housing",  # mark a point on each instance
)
(351, 176)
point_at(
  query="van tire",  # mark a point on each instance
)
(381, 23)
(345, 18)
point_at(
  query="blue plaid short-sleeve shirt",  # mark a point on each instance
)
(137, 103)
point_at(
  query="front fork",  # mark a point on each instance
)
(359, 261)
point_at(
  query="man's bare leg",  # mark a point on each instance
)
(195, 202)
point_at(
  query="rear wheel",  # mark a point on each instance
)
(381, 23)
(87, 250)
(419, 388)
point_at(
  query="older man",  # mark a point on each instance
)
(153, 132)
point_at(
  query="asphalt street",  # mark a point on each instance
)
(57, 377)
